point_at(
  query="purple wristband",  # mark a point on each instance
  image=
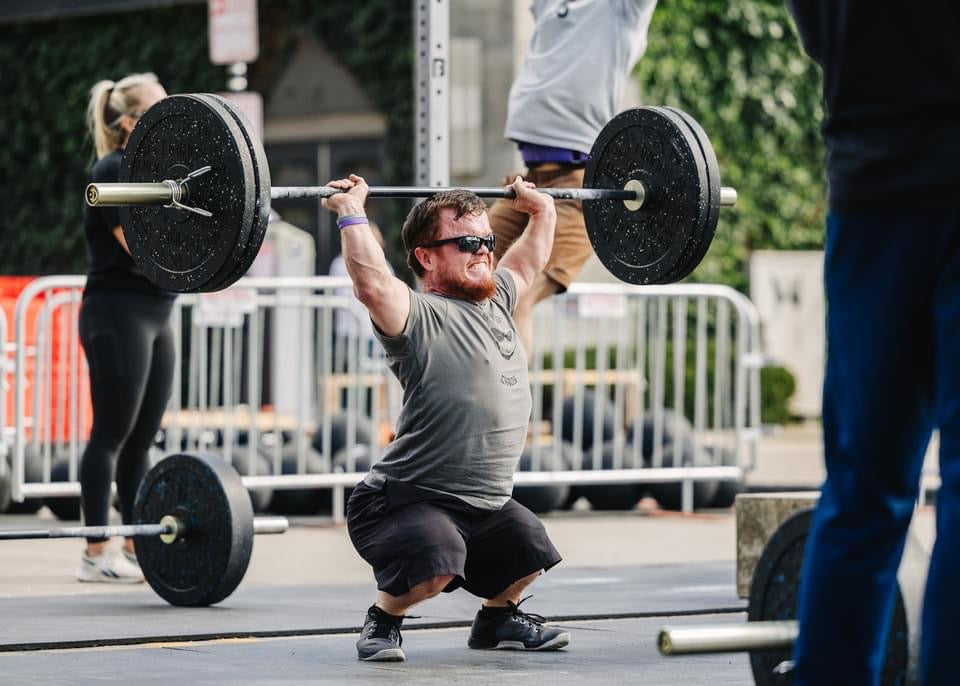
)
(350, 220)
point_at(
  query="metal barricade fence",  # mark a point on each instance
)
(6, 370)
(267, 377)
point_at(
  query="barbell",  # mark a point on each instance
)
(772, 628)
(195, 194)
(193, 529)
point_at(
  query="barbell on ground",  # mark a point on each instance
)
(772, 628)
(195, 194)
(193, 529)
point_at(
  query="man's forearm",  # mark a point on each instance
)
(364, 259)
(532, 250)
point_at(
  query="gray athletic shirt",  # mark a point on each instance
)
(572, 77)
(466, 397)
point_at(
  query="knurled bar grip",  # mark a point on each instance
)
(119, 194)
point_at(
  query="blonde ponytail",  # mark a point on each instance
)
(109, 101)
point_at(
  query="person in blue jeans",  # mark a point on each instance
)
(891, 88)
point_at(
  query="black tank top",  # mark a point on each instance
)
(109, 267)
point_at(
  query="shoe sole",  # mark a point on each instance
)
(386, 655)
(556, 643)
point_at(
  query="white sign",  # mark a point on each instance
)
(251, 104)
(225, 308)
(232, 31)
(787, 288)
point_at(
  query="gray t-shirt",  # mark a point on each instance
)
(572, 77)
(466, 397)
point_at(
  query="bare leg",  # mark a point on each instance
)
(94, 549)
(512, 592)
(543, 287)
(398, 605)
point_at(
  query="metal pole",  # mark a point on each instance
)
(166, 193)
(727, 638)
(261, 525)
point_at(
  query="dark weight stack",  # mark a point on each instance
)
(67, 508)
(670, 495)
(674, 426)
(355, 459)
(32, 467)
(613, 496)
(261, 466)
(339, 425)
(6, 479)
(299, 501)
(726, 490)
(587, 415)
(548, 497)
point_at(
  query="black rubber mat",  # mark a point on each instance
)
(601, 653)
(32, 623)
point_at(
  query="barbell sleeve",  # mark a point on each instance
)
(170, 192)
(727, 638)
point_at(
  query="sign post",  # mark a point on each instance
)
(233, 32)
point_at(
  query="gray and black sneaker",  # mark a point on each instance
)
(510, 628)
(380, 638)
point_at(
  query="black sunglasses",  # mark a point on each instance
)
(465, 243)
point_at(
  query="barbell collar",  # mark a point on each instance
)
(727, 638)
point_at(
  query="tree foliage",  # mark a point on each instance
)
(738, 68)
(51, 65)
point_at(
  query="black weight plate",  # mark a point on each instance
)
(207, 563)
(773, 596)
(240, 246)
(643, 246)
(179, 250)
(713, 174)
(261, 172)
(686, 265)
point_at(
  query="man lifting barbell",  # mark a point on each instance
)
(436, 512)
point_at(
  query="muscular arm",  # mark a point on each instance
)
(386, 297)
(528, 256)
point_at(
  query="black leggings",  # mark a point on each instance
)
(130, 351)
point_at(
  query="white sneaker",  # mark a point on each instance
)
(111, 566)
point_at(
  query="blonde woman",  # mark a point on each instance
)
(126, 335)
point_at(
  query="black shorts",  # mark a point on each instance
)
(409, 535)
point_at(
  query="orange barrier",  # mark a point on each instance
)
(56, 366)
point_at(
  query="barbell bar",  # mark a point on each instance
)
(169, 191)
(169, 530)
(727, 638)
(193, 529)
(195, 193)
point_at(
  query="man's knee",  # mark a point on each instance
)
(432, 587)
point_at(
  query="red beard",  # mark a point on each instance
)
(472, 290)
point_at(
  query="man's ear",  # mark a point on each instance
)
(425, 257)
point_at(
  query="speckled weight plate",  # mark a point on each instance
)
(647, 245)
(175, 249)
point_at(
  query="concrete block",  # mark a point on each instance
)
(758, 516)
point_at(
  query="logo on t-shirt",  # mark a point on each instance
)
(503, 334)
(508, 380)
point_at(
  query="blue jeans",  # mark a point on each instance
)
(892, 376)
